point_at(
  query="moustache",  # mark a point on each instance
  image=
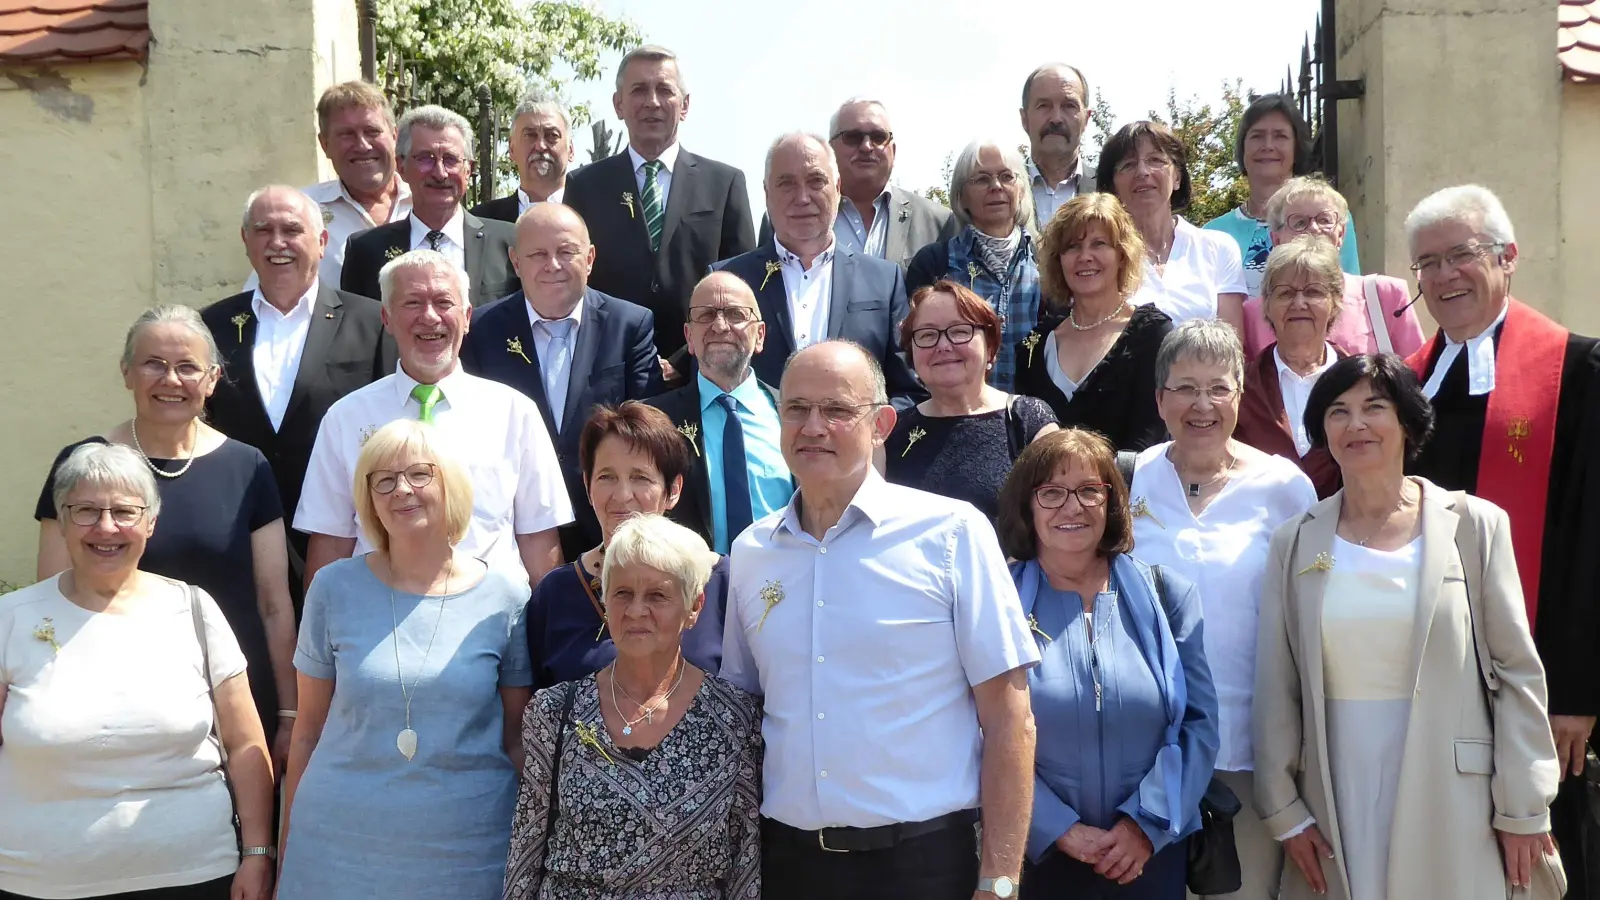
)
(439, 183)
(543, 162)
(1053, 128)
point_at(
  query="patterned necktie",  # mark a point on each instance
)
(654, 214)
(555, 364)
(435, 240)
(735, 470)
(427, 396)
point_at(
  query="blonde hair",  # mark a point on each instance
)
(351, 95)
(1072, 222)
(390, 442)
(1315, 257)
(1305, 187)
(663, 545)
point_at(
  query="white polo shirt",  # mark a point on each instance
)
(494, 431)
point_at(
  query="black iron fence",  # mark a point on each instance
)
(1318, 90)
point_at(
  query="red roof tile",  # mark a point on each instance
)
(1578, 39)
(58, 31)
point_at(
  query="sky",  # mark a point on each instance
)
(949, 71)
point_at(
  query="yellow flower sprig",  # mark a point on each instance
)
(771, 595)
(627, 200)
(1141, 508)
(1323, 563)
(587, 735)
(773, 268)
(514, 347)
(47, 632)
(1033, 626)
(239, 322)
(917, 434)
(691, 431)
(1030, 342)
(394, 253)
(972, 274)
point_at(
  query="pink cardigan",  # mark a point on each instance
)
(1352, 328)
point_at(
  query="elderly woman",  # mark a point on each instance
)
(1205, 506)
(413, 677)
(1272, 145)
(1402, 748)
(962, 440)
(125, 716)
(1095, 364)
(223, 530)
(616, 759)
(1378, 315)
(1302, 302)
(1188, 273)
(634, 462)
(1123, 700)
(992, 254)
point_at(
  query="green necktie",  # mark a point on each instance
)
(654, 215)
(428, 396)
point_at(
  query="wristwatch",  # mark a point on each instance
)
(268, 852)
(1001, 887)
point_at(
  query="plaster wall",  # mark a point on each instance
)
(1580, 207)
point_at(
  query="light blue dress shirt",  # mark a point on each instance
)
(555, 362)
(852, 233)
(770, 483)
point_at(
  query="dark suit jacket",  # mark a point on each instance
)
(707, 219)
(346, 349)
(502, 210)
(694, 506)
(488, 257)
(914, 222)
(867, 306)
(614, 360)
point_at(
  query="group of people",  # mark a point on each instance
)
(1077, 528)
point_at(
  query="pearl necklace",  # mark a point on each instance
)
(194, 430)
(1072, 318)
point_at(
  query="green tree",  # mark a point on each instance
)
(940, 193)
(1103, 124)
(1207, 132)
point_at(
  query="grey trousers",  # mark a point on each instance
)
(1260, 857)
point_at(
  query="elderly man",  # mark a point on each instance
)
(495, 432)
(1516, 401)
(435, 147)
(541, 146)
(564, 344)
(1055, 112)
(659, 214)
(739, 473)
(895, 636)
(808, 287)
(292, 346)
(355, 128)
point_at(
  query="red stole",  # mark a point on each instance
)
(1519, 431)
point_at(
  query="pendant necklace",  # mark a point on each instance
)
(1194, 487)
(133, 428)
(649, 715)
(1385, 520)
(406, 741)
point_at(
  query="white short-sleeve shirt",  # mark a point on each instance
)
(872, 640)
(1202, 265)
(495, 432)
(109, 779)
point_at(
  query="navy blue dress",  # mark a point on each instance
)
(565, 640)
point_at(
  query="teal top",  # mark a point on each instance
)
(1255, 245)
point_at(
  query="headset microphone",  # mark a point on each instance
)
(1402, 310)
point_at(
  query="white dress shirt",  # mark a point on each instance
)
(494, 431)
(1203, 263)
(1296, 391)
(1480, 360)
(280, 342)
(869, 657)
(1224, 552)
(556, 382)
(525, 203)
(1047, 198)
(669, 161)
(342, 216)
(810, 293)
(454, 245)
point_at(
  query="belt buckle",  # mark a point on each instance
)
(823, 843)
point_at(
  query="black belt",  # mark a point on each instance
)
(882, 837)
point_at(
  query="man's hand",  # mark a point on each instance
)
(1308, 849)
(1082, 843)
(1123, 852)
(1572, 736)
(1522, 852)
(668, 373)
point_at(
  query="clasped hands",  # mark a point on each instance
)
(1117, 854)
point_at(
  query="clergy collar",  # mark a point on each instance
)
(1480, 359)
(455, 229)
(260, 305)
(870, 502)
(668, 158)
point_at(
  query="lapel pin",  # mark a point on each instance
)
(771, 595)
(916, 434)
(327, 315)
(691, 431)
(1322, 563)
(773, 268)
(903, 215)
(239, 322)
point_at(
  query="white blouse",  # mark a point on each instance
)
(1224, 552)
(1202, 265)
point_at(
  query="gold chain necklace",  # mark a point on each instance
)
(648, 716)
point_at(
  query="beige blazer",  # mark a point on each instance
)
(1467, 769)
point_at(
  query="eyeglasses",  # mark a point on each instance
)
(959, 333)
(1314, 293)
(427, 162)
(1153, 163)
(384, 481)
(735, 316)
(157, 369)
(1054, 496)
(1188, 393)
(1454, 258)
(855, 137)
(986, 181)
(87, 514)
(835, 413)
(1300, 224)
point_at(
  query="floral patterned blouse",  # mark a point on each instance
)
(680, 822)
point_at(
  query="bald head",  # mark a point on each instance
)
(284, 237)
(724, 331)
(835, 414)
(553, 258)
(844, 360)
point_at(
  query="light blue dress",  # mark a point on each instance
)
(366, 821)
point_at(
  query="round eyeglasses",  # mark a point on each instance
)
(384, 481)
(1054, 496)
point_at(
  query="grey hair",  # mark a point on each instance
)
(171, 314)
(961, 173)
(880, 384)
(1027, 86)
(113, 466)
(308, 206)
(663, 545)
(1303, 187)
(1461, 203)
(857, 100)
(537, 100)
(1312, 256)
(652, 53)
(425, 259)
(1206, 340)
(435, 117)
(794, 136)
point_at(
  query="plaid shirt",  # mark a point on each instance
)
(1014, 295)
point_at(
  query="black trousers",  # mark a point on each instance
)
(210, 890)
(1567, 827)
(1060, 877)
(938, 866)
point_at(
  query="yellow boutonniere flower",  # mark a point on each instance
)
(588, 735)
(692, 432)
(1033, 626)
(917, 434)
(47, 632)
(239, 321)
(773, 268)
(627, 200)
(1323, 563)
(1141, 508)
(771, 595)
(1031, 341)
(514, 347)
(972, 274)
(394, 253)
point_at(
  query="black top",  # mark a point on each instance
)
(202, 537)
(963, 457)
(1567, 625)
(1118, 396)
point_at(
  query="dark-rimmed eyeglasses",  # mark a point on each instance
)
(384, 481)
(124, 515)
(733, 315)
(959, 333)
(1054, 496)
(1300, 224)
(854, 137)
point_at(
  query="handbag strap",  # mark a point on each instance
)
(1380, 328)
(555, 767)
(588, 590)
(1015, 440)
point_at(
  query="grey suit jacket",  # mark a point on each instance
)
(914, 222)
(487, 254)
